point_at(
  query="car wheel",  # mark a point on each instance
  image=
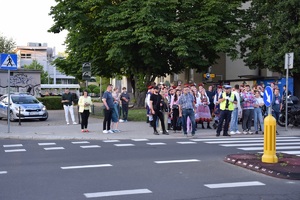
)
(44, 119)
(12, 117)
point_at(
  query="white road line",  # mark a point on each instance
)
(240, 138)
(3, 172)
(176, 161)
(86, 166)
(261, 148)
(187, 142)
(54, 148)
(90, 146)
(258, 144)
(107, 141)
(117, 193)
(81, 142)
(140, 140)
(236, 184)
(46, 144)
(248, 141)
(156, 143)
(291, 152)
(124, 145)
(13, 145)
(15, 150)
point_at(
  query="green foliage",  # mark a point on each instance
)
(145, 38)
(271, 29)
(6, 45)
(51, 102)
(37, 66)
(96, 90)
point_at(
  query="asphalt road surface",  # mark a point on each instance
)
(172, 169)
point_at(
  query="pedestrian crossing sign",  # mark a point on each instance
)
(8, 61)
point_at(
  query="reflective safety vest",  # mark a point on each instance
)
(230, 104)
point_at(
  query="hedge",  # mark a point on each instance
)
(51, 102)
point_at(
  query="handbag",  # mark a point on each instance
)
(175, 107)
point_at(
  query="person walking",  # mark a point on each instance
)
(156, 110)
(108, 106)
(237, 111)
(125, 98)
(276, 105)
(85, 103)
(258, 117)
(227, 101)
(67, 99)
(186, 104)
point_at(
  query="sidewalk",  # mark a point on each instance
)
(55, 128)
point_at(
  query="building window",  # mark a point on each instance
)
(26, 56)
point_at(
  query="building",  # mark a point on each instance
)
(44, 55)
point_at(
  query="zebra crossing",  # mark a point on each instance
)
(288, 145)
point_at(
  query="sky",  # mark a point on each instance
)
(28, 21)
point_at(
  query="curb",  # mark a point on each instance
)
(288, 166)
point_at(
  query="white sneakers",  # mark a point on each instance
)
(237, 132)
(232, 133)
(73, 123)
(107, 131)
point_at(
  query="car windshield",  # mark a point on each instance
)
(24, 99)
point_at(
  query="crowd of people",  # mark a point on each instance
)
(183, 108)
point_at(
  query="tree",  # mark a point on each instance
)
(147, 38)
(6, 45)
(36, 66)
(271, 30)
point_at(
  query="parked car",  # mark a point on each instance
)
(23, 106)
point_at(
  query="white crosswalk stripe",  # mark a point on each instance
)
(288, 145)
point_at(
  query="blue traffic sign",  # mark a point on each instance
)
(268, 96)
(207, 75)
(8, 61)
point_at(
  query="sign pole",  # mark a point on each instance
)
(8, 106)
(286, 96)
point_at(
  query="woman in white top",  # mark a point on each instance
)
(258, 118)
(85, 109)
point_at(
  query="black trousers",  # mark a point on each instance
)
(84, 119)
(224, 115)
(125, 111)
(160, 115)
(107, 119)
(175, 118)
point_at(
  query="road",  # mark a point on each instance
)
(173, 169)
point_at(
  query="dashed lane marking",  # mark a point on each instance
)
(3, 172)
(108, 141)
(187, 142)
(233, 185)
(176, 161)
(259, 144)
(14, 150)
(117, 193)
(139, 140)
(13, 145)
(53, 148)
(86, 166)
(156, 143)
(90, 146)
(124, 145)
(81, 142)
(46, 144)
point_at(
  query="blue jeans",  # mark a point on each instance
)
(191, 114)
(234, 120)
(258, 118)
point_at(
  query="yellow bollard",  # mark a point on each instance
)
(269, 140)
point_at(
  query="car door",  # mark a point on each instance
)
(3, 106)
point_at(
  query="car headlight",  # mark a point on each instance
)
(44, 108)
(19, 109)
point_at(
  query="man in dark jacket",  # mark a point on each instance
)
(125, 98)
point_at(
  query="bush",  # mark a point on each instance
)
(51, 102)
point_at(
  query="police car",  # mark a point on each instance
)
(23, 106)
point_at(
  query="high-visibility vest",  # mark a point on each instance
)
(230, 104)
